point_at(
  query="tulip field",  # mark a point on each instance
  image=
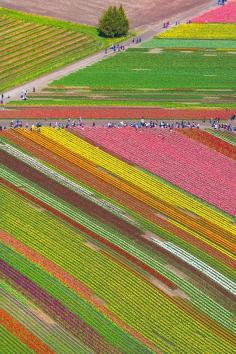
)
(225, 136)
(225, 14)
(168, 162)
(109, 113)
(112, 250)
(118, 239)
(202, 31)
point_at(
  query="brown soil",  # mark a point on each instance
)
(92, 246)
(98, 300)
(162, 216)
(177, 271)
(36, 207)
(42, 316)
(168, 291)
(149, 235)
(140, 13)
(155, 50)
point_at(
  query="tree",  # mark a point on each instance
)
(113, 22)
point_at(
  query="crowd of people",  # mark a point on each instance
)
(215, 123)
(153, 124)
(137, 124)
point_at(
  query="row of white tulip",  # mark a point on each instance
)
(199, 265)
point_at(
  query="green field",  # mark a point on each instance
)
(147, 77)
(115, 103)
(189, 43)
(144, 70)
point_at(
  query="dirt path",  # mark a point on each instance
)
(147, 33)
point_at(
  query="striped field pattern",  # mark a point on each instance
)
(104, 255)
(32, 46)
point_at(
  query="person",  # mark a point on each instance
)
(33, 89)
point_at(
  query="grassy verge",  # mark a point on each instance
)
(117, 103)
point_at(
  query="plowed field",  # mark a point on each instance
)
(141, 13)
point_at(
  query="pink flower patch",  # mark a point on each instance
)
(224, 14)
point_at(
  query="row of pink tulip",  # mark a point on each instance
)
(176, 158)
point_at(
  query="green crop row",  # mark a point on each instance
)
(47, 21)
(144, 224)
(72, 301)
(226, 136)
(151, 71)
(41, 41)
(188, 43)
(198, 298)
(11, 67)
(19, 26)
(159, 316)
(139, 297)
(23, 311)
(115, 103)
(10, 342)
(60, 24)
(44, 66)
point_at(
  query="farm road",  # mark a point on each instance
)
(147, 33)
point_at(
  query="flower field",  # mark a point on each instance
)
(113, 113)
(118, 240)
(222, 14)
(201, 31)
(113, 258)
(225, 136)
(215, 143)
(183, 171)
(42, 44)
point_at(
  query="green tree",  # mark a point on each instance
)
(114, 22)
